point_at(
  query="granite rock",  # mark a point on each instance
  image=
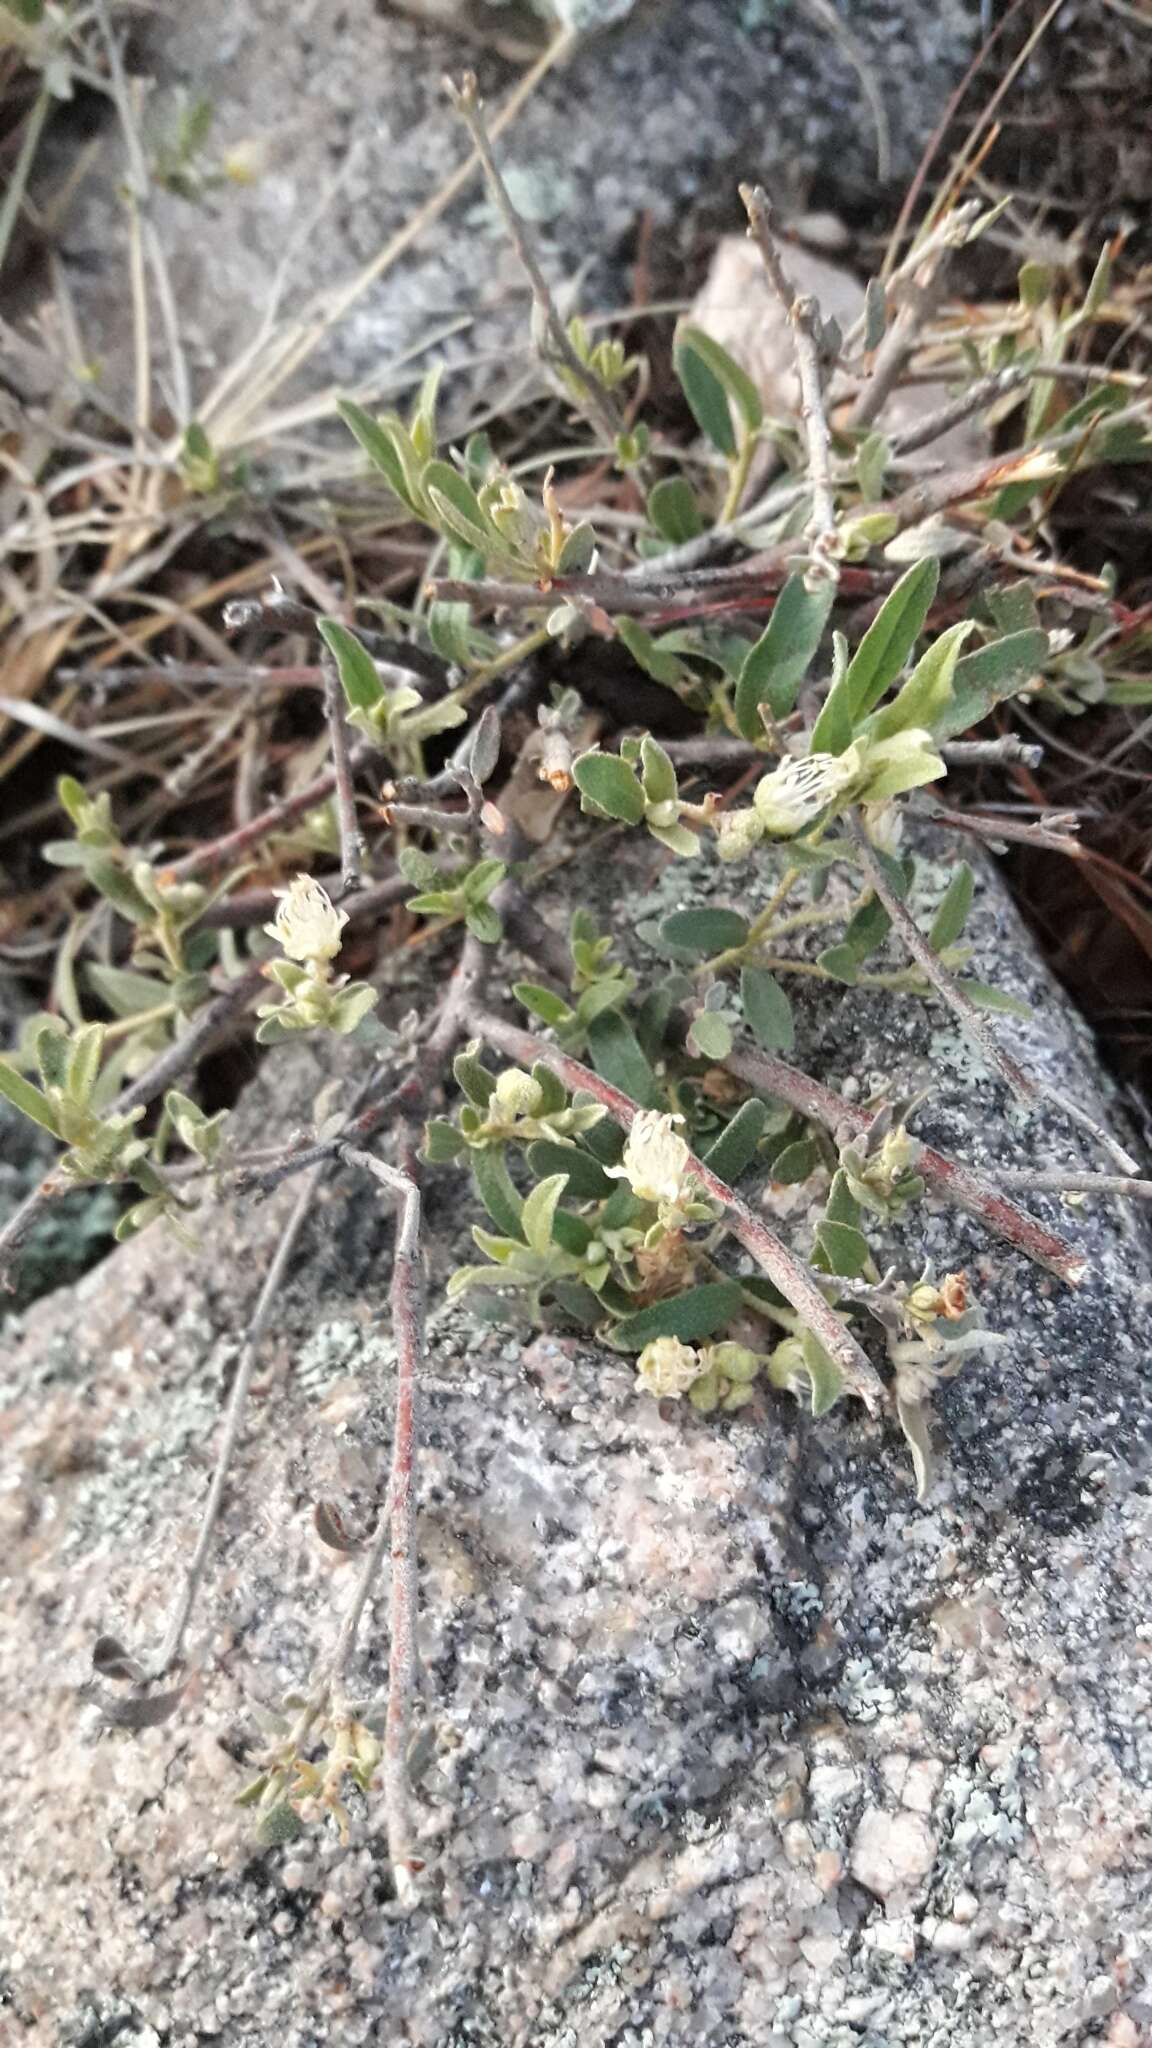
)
(345, 113)
(730, 1742)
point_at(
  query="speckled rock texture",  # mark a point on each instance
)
(729, 1742)
(346, 107)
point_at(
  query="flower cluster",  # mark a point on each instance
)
(308, 928)
(719, 1376)
(655, 1162)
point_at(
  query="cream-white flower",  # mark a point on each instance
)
(798, 790)
(655, 1158)
(307, 925)
(667, 1368)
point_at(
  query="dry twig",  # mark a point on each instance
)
(398, 1521)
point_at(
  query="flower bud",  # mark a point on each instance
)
(732, 1361)
(517, 1093)
(737, 832)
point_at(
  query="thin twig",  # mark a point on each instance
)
(347, 824)
(1024, 1084)
(257, 906)
(407, 1297)
(232, 846)
(990, 829)
(1069, 1181)
(171, 1653)
(795, 1280)
(185, 1051)
(718, 750)
(957, 1183)
(984, 392)
(807, 343)
(601, 405)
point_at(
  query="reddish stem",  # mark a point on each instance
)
(796, 1281)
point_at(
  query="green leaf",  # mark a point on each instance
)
(442, 1142)
(796, 1162)
(51, 1044)
(1013, 607)
(577, 551)
(711, 1035)
(952, 915)
(673, 510)
(906, 761)
(126, 994)
(704, 931)
(378, 446)
(614, 1050)
(1099, 284)
(458, 509)
(356, 668)
(767, 1010)
(707, 398)
(422, 427)
(879, 658)
(988, 998)
(696, 1314)
(872, 459)
(496, 1191)
(572, 1233)
(1034, 283)
(842, 1206)
(538, 1211)
(84, 1062)
(609, 787)
(27, 1098)
(983, 679)
(473, 1077)
(480, 881)
(657, 773)
(484, 924)
(650, 655)
(840, 1248)
(449, 630)
(775, 667)
(867, 928)
(727, 373)
(543, 1003)
(825, 1376)
(553, 1093)
(735, 1148)
(587, 1180)
(927, 694)
(120, 891)
(841, 963)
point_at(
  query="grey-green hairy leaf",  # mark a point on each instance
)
(610, 786)
(775, 667)
(767, 1010)
(693, 1316)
